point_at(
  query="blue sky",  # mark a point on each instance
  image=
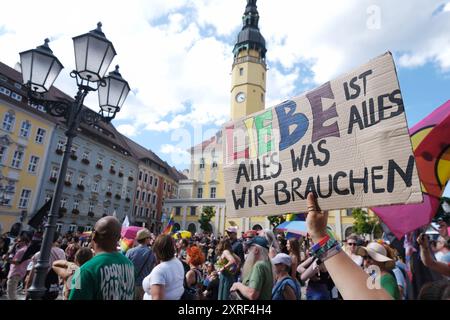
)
(177, 54)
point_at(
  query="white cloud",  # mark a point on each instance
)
(127, 129)
(178, 156)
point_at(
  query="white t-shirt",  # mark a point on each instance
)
(170, 274)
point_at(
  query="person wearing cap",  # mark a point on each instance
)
(238, 249)
(375, 254)
(257, 274)
(285, 288)
(143, 260)
(274, 246)
(109, 275)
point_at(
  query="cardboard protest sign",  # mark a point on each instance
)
(346, 141)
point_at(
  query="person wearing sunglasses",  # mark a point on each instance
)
(350, 249)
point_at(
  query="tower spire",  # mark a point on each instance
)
(250, 37)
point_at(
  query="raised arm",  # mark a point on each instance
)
(427, 259)
(351, 281)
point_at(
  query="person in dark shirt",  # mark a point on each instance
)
(212, 289)
(236, 245)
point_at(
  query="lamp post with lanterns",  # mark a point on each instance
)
(40, 68)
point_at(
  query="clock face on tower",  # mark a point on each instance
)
(240, 97)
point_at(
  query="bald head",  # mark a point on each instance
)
(107, 233)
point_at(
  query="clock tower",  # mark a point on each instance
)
(248, 88)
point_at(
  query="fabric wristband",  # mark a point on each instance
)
(330, 253)
(318, 250)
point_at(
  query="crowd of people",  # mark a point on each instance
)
(252, 265)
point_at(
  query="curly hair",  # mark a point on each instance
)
(195, 256)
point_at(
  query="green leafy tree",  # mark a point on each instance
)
(275, 221)
(366, 224)
(205, 219)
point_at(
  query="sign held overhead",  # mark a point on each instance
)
(346, 141)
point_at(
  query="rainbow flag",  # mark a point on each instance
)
(169, 227)
(125, 244)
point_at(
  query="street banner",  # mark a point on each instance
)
(346, 141)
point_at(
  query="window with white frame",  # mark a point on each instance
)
(200, 193)
(25, 129)
(154, 199)
(100, 160)
(106, 210)
(202, 163)
(151, 180)
(8, 121)
(137, 194)
(40, 135)
(145, 177)
(54, 172)
(72, 228)
(91, 206)
(149, 197)
(16, 96)
(17, 159)
(3, 152)
(135, 210)
(85, 155)
(153, 214)
(147, 213)
(8, 193)
(143, 196)
(60, 145)
(32, 166)
(76, 204)
(95, 186)
(213, 192)
(109, 187)
(24, 198)
(81, 179)
(141, 212)
(69, 176)
(140, 175)
(48, 196)
(59, 227)
(156, 182)
(63, 202)
(88, 228)
(5, 91)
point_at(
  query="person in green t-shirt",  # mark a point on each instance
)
(257, 274)
(376, 259)
(109, 275)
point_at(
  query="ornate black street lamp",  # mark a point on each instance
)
(40, 68)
